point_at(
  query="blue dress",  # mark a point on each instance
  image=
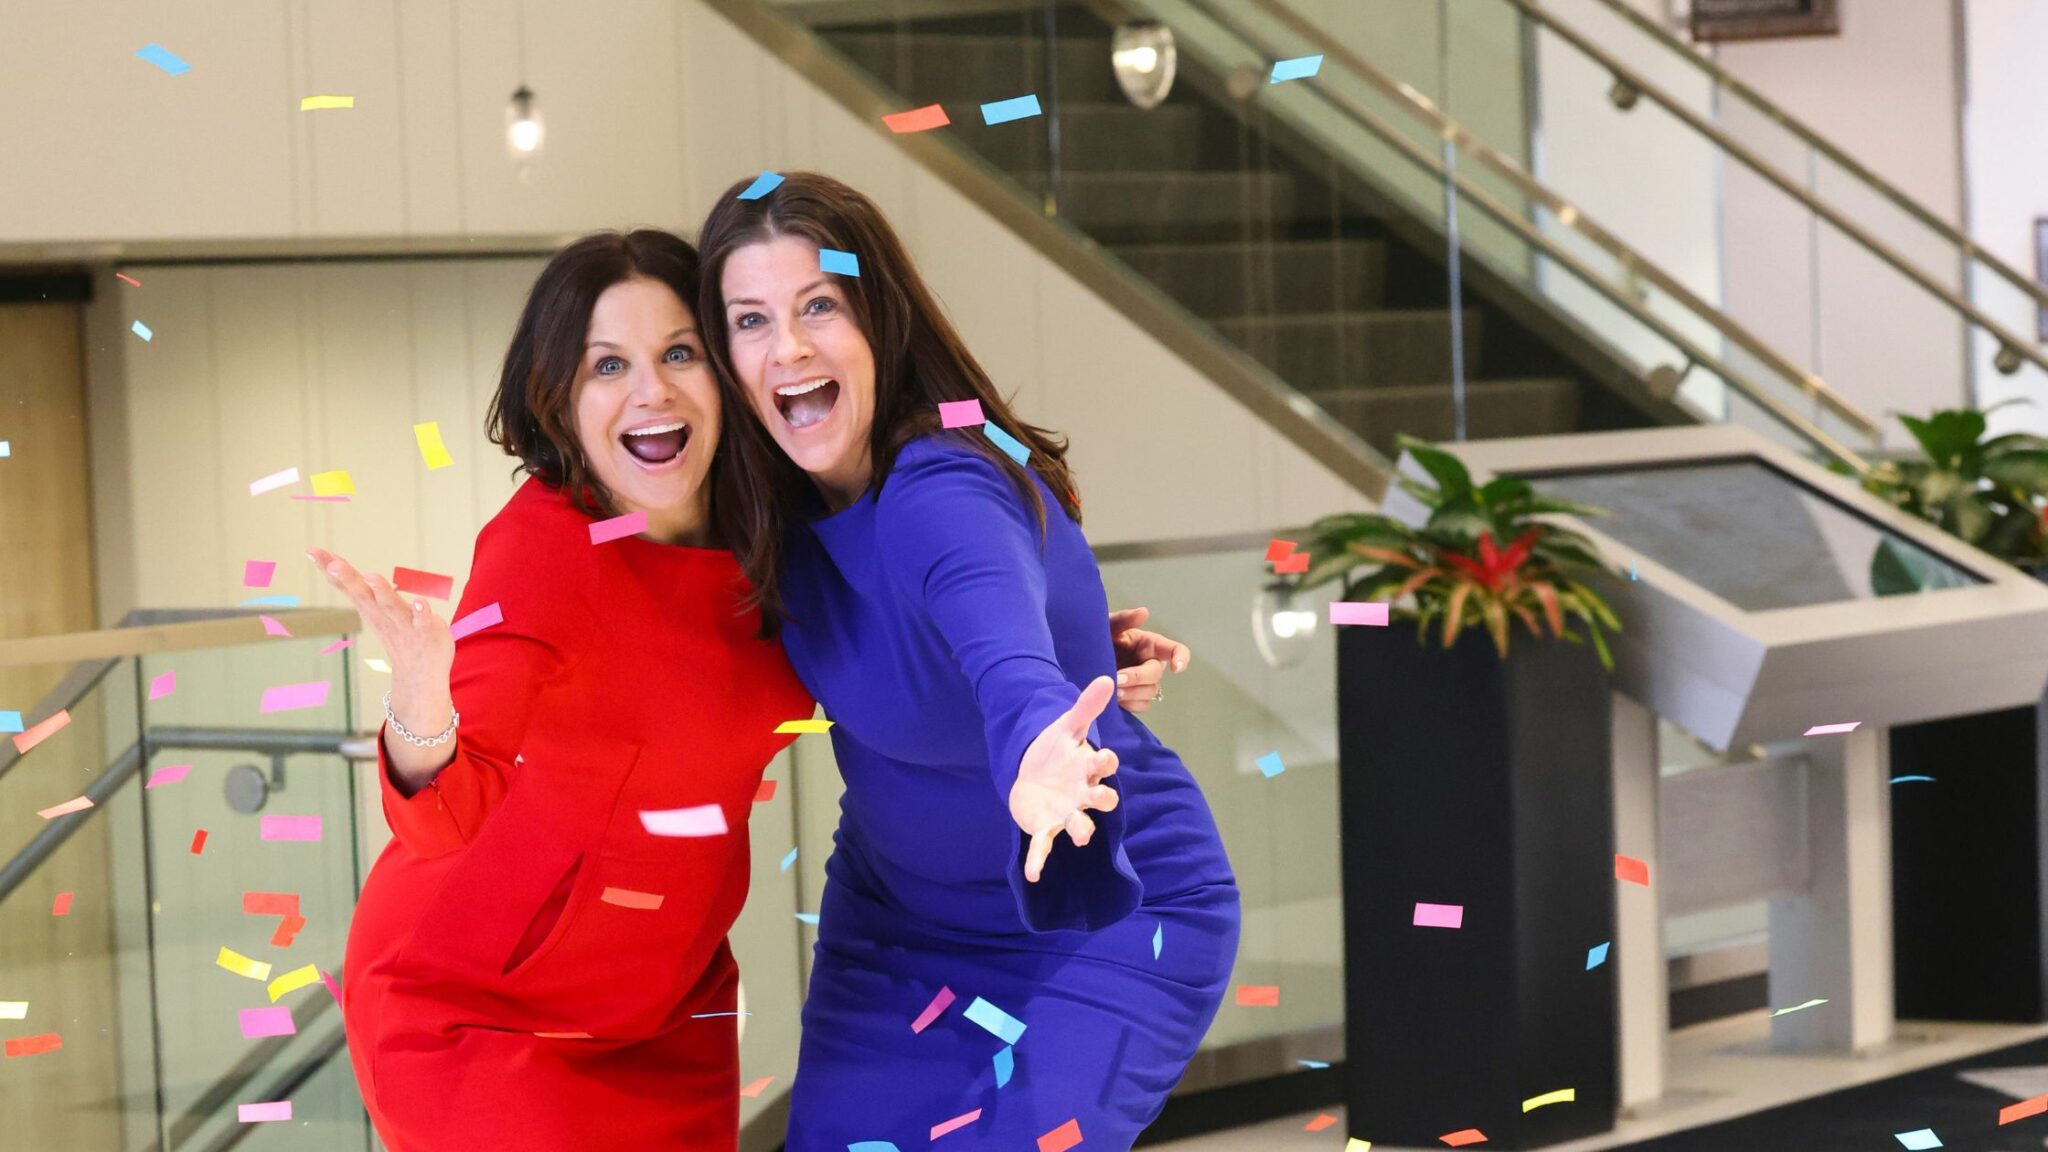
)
(942, 635)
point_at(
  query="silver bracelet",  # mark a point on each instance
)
(406, 735)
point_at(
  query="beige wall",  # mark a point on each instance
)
(2006, 144)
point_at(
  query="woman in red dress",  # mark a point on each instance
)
(532, 965)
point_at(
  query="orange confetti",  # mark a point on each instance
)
(1258, 996)
(32, 1045)
(1631, 870)
(563, 1035)
(754, 1090)
(23, 741)
(62, 906)
(917, 119)
(1293, 565)
(199, 842)
(1323, 1120)
(1061, 1138)
(2022, 1110)
(1467, 1136)
(765, 793)
(627, 898)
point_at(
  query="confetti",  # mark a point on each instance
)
(257, 573)
(476, 621)
(1270, 765)
(199, 842)
(1299, 68)
(1323, 1120)
(1061, 1138)
(765, 792)
(163, 58)
(323, 499)
(258, 1023)
(6, 449)
(872, 1146)
(127, 279)
(10, 721)
(335, 483)
(1561, 1096)
(291, 828)
(810, 918)
(956, 1123)
(1006, 1066)
(291, 697)
(1357, 612)
(802, 727)
(168, 774)
(1313, 1063)
(917, 119)
(1004, 111)
(1918, 1138)
(271, 602)
(1798, 1007)
(337, 646)
(1004, 1026)
(284, 904)
(61, 906)
(702, 820)
(1010, 445)
(274, 481)
(933, 1010)
(563, 1035)
(789, 859)
(1630, 870)
(293, 980)
(961, 413)
(1278, 550)
(763, 184)
(241, 965)
(1597, 954)
(1258, 995)
(34, 1045)
(753, 1091)
(323, 103)
(23, 741)
(414, 582)
(1294, 565)
(163, 684)
(66, 808)
(627, 898)
(432, 450)
(838, 263)
(142, 330)
(13, 1009)
(2006, 1115)
(333, 986)
(376, 665)
(1910, 779)
(1158, 940)
(1439, 915)
(1832, 729)
(271, 627)
(618, 528)
(258, 1113)
(1356, 1145)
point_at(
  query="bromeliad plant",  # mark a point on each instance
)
(1991, 493)
(1455, 572)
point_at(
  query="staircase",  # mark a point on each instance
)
(1319, 280)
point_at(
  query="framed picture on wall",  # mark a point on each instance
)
(2041, 274)
(1763, 19)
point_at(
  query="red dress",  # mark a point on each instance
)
(529, 968)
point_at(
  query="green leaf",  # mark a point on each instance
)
(1447, 470)
(2024, 471)
(1503, 492)
(1968, 516)
(1892, 573)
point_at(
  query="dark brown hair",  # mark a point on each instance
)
(532, 416)
(920, 361)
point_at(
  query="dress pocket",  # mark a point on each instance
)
(549, 923)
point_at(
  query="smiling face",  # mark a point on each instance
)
(802, 361)
(646, 406)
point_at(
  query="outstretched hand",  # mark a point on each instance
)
(1143, 659)
(1062, 777)
(415, 637)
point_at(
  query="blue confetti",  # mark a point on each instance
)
(808, 917)
(271, 602)
(10, 721)
(763, 184)
(142, 330)
(1299, 68)
(1312, 1064)
(838, 263)
(1270, 764)
(872, 1146)
(1004, 111)
(1006, 1027)
(1158, 940)
(6, 450)
(1008, 443)
(1006, 1066)
(709, 1015)
(789, 859)
(1910, 779)
(1631, 569)
(163, 58)
(1597, 954)
(1918, 1139)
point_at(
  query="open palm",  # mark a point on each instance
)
(1061, 778)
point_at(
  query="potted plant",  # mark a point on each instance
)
(1474, 760)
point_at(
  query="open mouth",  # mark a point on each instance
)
(808, 403)
(657, 444)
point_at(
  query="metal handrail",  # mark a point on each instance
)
(2009, 341)
(173, 630)
(1727, 81)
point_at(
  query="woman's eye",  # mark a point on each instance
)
(610, 365)
(747, 320)
(820, 305)
(681, 354)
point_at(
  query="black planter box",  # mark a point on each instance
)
(1469, 780)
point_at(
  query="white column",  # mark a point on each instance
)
(1642, 1000)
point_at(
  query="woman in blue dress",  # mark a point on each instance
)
(979, 978)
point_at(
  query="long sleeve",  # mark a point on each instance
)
(499, 675)
(957, 538)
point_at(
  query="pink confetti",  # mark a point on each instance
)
(66, 808)
(753, 1091)
(961, 413)
(703, 820)
(260, 1022)
(323, 499)
(1832, 729)
(168, 774)
(257, 573)
(333, 986)
(290, 697)
(291, 828)
(257, 1113)
(337, 646)
(1358, 612)
(618, 527)
(477, 621)
(933, 1010)
(272, 628)
(955, 1124)
(127, 279)
(163, 685)
(1439, 915)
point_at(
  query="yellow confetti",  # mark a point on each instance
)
(293, 980)
(802, 726)
(1356, 1145)
(1561, 1096)
(333, 484)
(377, 665)
(432, 450)
(317, 103)
(13, 1009)
(241, 965)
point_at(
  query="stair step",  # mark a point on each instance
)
(1106, 138)
(988, 67)
(1250, 279)
(1494, 409)
(1156, 207)
(1357, 349)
